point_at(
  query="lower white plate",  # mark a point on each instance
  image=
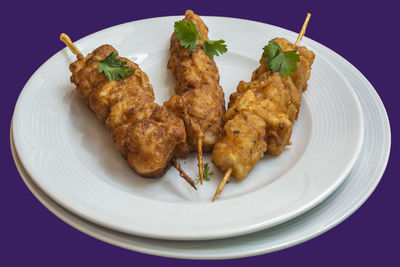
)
(358, 186)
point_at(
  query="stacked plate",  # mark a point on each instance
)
(69, 162)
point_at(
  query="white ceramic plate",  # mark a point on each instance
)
(358, 186)
(360, 183)
(72, 158)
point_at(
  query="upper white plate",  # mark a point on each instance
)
(72, 158)
(360, 183)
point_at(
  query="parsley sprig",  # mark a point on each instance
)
(279, 60)
(206, 173)
(188, 36)
(114, 68)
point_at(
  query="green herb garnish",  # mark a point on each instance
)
(187, 34)
(114, 68)
(188, 37)
(279, 60)
(206, 173)
(214, 48)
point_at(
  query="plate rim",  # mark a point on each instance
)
(238, 230)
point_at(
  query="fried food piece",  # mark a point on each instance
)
(280, 90)
(198, 85)
(270, 98)
(133, 95)
(302, 72)
(253, 126)
(149, 145)
(147, 135)
(241, 144)
(278, 126)
(206, 108)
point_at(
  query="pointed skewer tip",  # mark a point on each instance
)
(303, 29)
(200, 159)
(223, 182)
(67, 41)
(182, 173)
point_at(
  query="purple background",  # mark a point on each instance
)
(365, 33)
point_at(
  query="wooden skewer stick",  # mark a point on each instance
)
(183, 174)
(229, 171)
(199, 134)
(200, 158)
(67, 41)
(303, 29)
(223, 182)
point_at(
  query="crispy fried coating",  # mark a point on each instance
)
(147, 135)
(150, 144)
(241, 143)
(279, 127)
(122, 99)
(198, 85)
(281, 91)
(270, 98)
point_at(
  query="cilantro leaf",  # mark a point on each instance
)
(270, 49)
(206, 173)
(214, 48)
(274, 64)
(289, 62)
(278, 60)
(114, 68)
(187, 34)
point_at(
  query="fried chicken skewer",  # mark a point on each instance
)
(198, 90)
(148, 136)
(261, 113)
